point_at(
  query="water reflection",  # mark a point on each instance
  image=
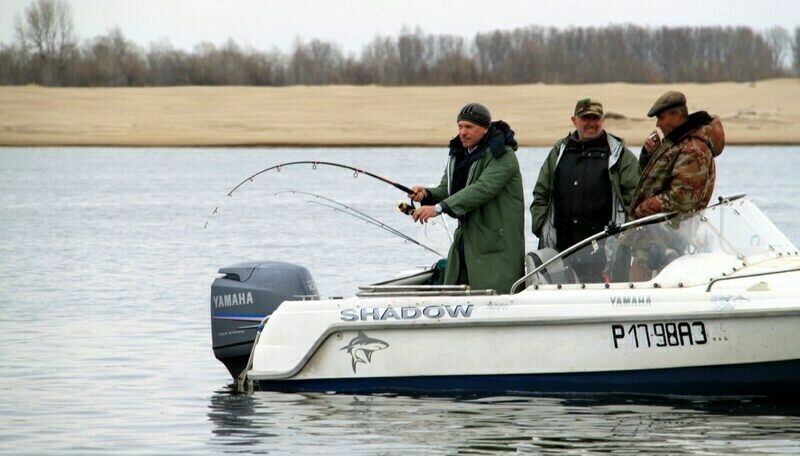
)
(266, 422)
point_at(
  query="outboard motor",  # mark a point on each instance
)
(241, 299)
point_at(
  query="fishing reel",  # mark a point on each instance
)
(406, 208)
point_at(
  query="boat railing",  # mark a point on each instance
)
(383, 291)
(610, 230)
(744, 276)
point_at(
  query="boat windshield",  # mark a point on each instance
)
(693, 247)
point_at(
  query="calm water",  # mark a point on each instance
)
(105, 271)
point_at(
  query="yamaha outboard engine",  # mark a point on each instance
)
(241, 299)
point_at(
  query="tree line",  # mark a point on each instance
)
(46, 51)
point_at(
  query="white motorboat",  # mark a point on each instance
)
(700, 304)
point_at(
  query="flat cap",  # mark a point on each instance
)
(671, 99)
(588, 106)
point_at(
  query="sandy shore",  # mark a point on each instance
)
(766, 112)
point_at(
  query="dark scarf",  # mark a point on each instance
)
(497, 137)
(693, 122)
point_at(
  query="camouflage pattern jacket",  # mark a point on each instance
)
(679, 175)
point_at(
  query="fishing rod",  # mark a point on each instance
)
(359, 215)
(314, 164)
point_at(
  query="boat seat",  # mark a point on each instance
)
(555, 273)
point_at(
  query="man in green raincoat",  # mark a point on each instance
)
(482, 188)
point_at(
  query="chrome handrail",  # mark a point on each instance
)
(605, 233)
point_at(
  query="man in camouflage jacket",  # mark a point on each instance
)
(678, 171)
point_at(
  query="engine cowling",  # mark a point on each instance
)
(243, 297)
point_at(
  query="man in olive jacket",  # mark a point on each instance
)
(586, 181)
(482, 188)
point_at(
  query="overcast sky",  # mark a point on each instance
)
(353, 23)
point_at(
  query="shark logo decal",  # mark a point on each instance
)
(727, 302)
(361, 348)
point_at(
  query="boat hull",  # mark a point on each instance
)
(742, 354)
(720, 319)
(767, 379)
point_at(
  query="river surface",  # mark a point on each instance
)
(105, 346)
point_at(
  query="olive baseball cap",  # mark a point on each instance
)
(588, 106)
(671, 99)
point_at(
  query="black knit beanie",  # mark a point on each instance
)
(475, 113)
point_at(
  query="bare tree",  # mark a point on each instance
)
(411, 56)
(168, 66)
(381, 62)
(47, 33)
(796, 51)
(112, 60)
(493, 53)
(317, 62)
(450, 62)
(780, 43)
(46, 52)
(13, 66)
(265, 69)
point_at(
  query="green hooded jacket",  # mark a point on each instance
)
(491, 213)
(623, 171)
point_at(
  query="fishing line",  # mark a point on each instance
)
(405, 208)
(379, 225)
(400, 207)
(345, 209)
(314, 165)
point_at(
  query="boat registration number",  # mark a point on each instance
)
(671, 334)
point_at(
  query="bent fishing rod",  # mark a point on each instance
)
(345, 209)
(314, 164)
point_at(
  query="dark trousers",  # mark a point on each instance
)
(463, 278)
